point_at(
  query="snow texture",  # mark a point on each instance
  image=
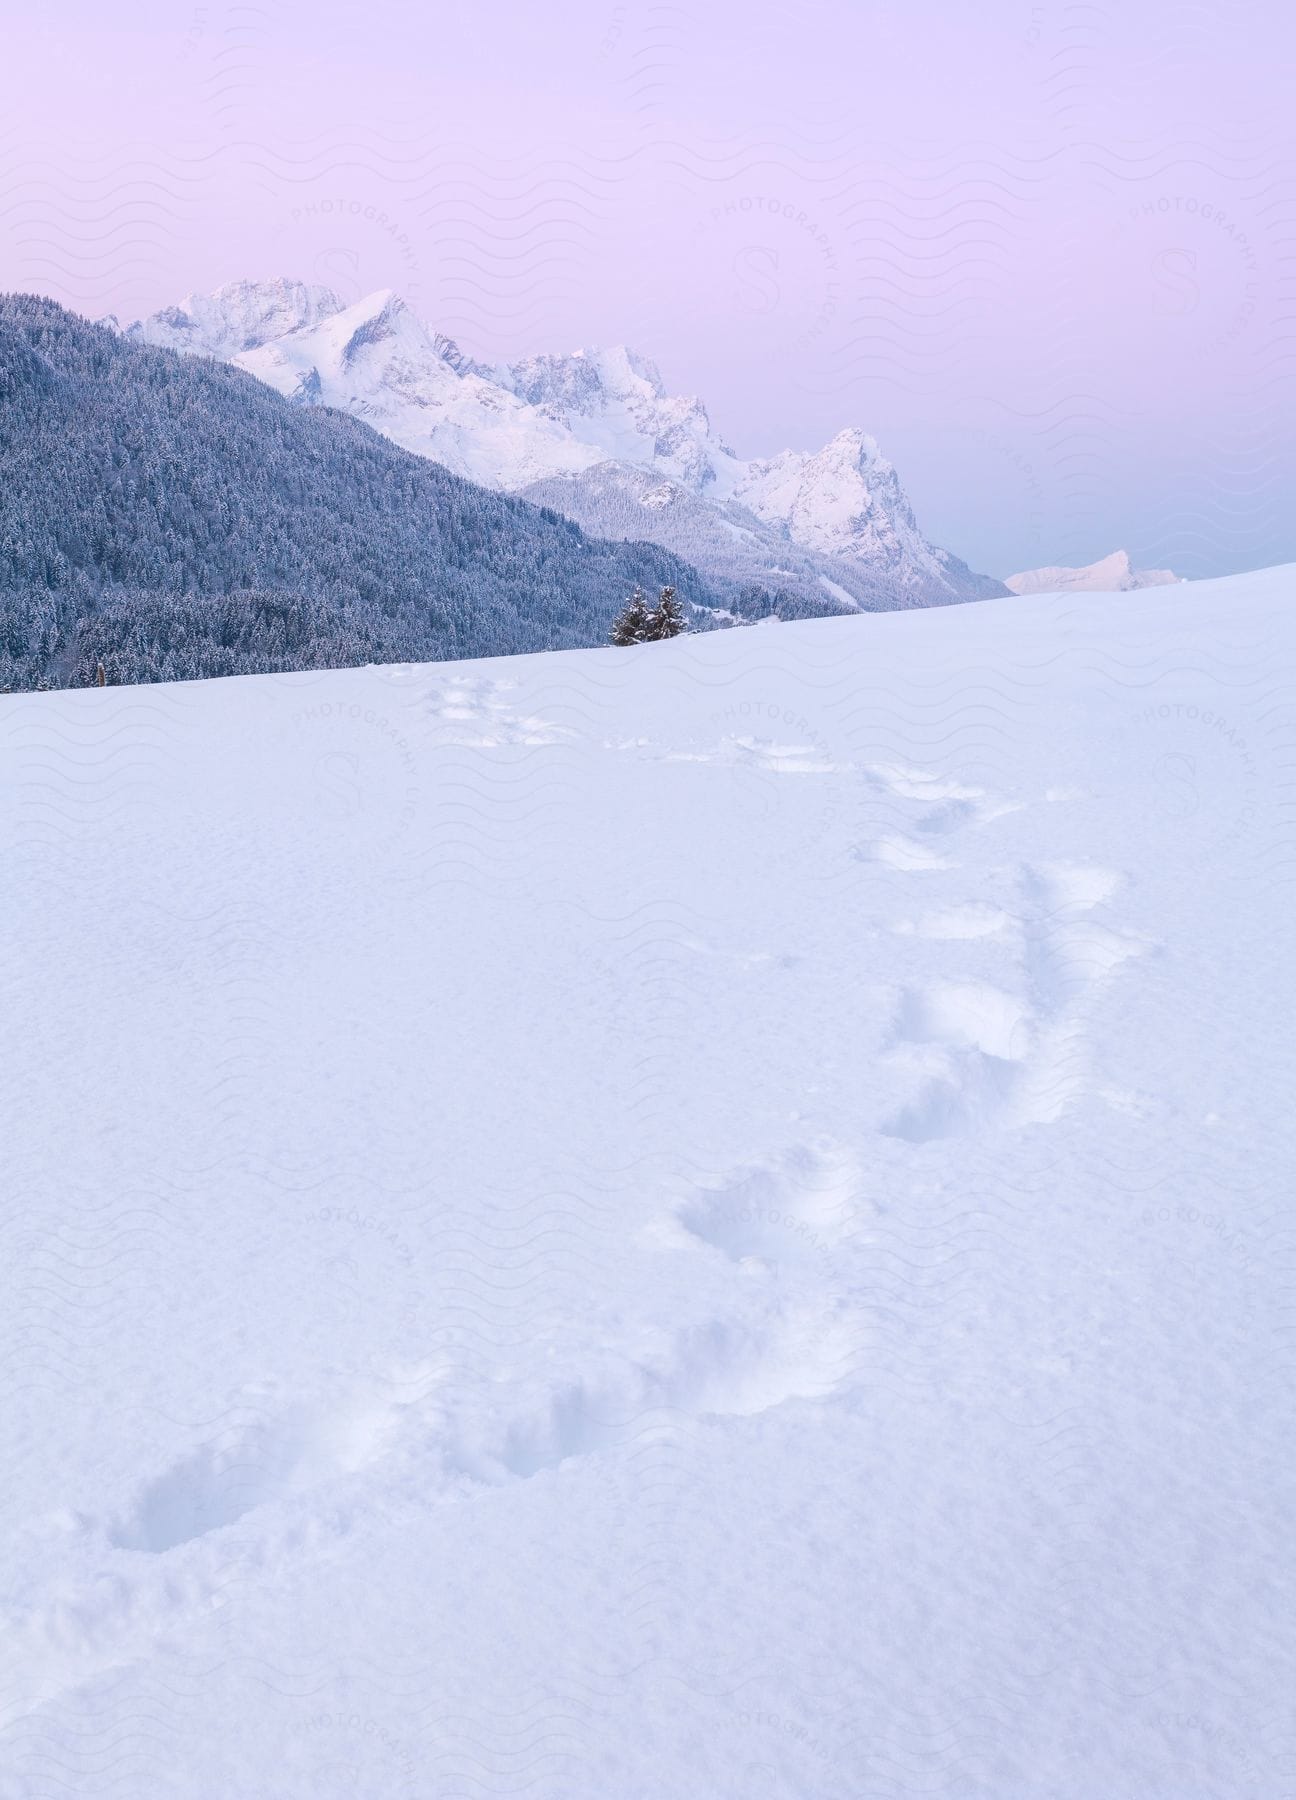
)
(703, 1221)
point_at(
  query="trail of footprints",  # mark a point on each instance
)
(791, 1336)
(986, 1057)
(983, 1056)
(273, 1478)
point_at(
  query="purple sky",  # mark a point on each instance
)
(1045, 252)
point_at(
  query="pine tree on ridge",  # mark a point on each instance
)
(631, 625)
(667, 618)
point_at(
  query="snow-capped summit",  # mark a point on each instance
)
(616, 402)
(845, 499)
(584, 379)
(374, 321)
(1109, 575)
(240, 316)
(376, 359)
(579, 432)
(846, 502)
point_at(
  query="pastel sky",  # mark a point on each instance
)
(1045, 252)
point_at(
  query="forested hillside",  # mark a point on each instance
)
(174, 518)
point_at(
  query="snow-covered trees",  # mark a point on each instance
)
(631, 624)
(667, 620)
(173, 518)
(637, 623)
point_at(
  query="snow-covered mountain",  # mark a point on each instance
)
(1109, 575)
(836, 523)
(238, 317)
(615, 404)
(341, 546)
(833, 529)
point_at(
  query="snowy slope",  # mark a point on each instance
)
(577, 431)
(1109, 575)
(707, 1221)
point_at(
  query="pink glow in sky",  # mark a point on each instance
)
(1045, 252)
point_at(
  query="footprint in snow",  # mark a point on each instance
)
(1004, 1060)
(248, 1464)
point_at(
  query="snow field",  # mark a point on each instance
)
(706, 1220)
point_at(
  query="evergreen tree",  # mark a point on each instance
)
(666, 620)
(632, 622)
